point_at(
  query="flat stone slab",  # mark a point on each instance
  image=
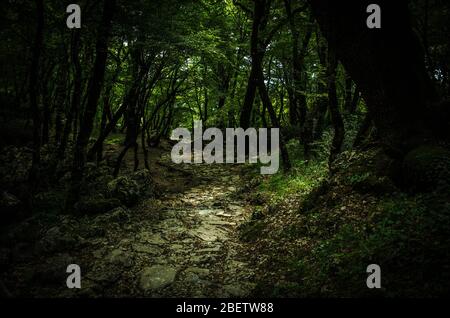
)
(157, 276)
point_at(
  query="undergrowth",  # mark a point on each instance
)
(316, 235)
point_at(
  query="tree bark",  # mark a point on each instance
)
(333, 105)
(95, 86)
(387, 65)
(273, 118)
(257, 51)
(76, 95)
(34, 105)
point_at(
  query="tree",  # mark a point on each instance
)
(34, 105)
(387, 65)
(95, 87)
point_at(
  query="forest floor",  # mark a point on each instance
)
(226, 231)
(181, 243)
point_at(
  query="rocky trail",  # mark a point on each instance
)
(192, 250)
(183, 243)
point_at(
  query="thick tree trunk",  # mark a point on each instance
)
(95, 86)
(387, 65)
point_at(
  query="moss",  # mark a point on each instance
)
(124, 189)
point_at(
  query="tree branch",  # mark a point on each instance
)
(243, 7)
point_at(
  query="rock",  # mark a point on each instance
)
(57, 239)
(145, 182)
(197, 270)
(203, 258)
(124, 189)
(221, 223)
(236, 209)
(214, 249)
(96, 205)
(99, 253)
(156, 277)
(234, 290)
(204, 235)
(208, 233)
(146, 249)
(151, 238)
(118, 214)
(120, 258)
(93, 230)
(9, 202)
(105, 275)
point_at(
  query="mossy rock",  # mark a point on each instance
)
(145, 183)
(426, 168)
(124, 189)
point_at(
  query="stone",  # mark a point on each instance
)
(119, 257)
(151, 238)
(96, 205)
(105, 275)
(9, 202)
(57, 239)
(235, 290)
(213, 249)
(143, 179)
(118, 214)
(156, 277)
(146, 249)
(197, 270)
(124, 189)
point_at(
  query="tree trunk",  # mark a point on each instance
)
(336, 117)
(363, 131)
(396, 99)
(257, 53)
(95, 86)
(34, 105)
(273, 118)
(76, 95)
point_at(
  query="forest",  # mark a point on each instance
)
(86, 175)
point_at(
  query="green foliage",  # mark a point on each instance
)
(303, 178)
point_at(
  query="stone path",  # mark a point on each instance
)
(181, 245)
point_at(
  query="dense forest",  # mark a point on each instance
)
(364, 129)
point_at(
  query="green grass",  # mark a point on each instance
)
(115, 139)
(303, 178)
